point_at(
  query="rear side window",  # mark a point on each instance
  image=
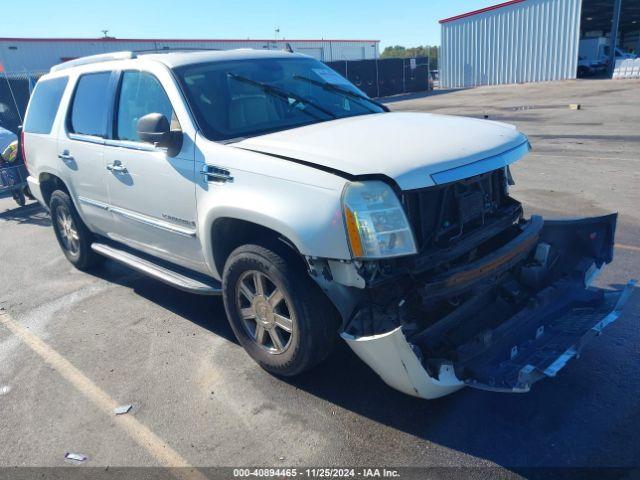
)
(90, 105)
(44, 104)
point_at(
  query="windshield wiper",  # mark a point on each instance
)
(283, 94)
(343, 91)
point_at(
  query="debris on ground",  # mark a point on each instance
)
(76, 457)
(122, 409)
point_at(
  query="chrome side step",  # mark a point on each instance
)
(164, 274)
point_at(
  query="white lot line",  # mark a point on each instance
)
(138, 432)
(631, 248)
(38, 318)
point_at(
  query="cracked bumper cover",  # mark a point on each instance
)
(535, 343)
(396, 362)
(393, 358)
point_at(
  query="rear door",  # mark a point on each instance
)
(152, 192)
(81, 147)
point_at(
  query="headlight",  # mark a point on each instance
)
(376, 224)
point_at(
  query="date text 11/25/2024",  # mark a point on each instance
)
(316, 472)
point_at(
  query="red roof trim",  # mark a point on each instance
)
(482, 10)
(182, 40)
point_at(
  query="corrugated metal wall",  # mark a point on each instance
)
(20, 55)
(531, 41)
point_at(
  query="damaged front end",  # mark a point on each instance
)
(491, 300)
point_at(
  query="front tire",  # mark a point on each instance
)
(73, 236)
(278, 314)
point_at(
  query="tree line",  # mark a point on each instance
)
(398, 51)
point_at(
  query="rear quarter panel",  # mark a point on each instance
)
(41, 149)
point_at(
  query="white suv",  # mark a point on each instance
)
(268, 178)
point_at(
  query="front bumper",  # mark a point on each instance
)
(393, 358)
(525, 315)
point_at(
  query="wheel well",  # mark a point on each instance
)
(231, 233)
(50, 183)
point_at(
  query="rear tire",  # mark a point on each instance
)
(73, 236)
(27, 193)
(18, 196)
(278, 314)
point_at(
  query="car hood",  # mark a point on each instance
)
(415, 149)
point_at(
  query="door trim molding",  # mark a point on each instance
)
(138, 217)
(93, 203)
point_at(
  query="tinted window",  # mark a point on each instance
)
(44, 105)
(141, 94)
(90, 105)
(249, 97)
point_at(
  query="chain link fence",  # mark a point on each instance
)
(15, 90)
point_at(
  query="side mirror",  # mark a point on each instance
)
(154, 128)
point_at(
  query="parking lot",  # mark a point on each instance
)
(75, 345)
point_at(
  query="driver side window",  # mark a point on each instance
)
(140, 94)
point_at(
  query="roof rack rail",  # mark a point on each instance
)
(166, 49)
(103, 57)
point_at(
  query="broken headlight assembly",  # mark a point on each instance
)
(376, 224)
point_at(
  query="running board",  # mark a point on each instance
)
(164, 274)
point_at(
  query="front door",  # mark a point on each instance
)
(152, 193)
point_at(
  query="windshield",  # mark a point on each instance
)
(242, 98)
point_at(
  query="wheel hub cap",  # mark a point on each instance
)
(263, 311)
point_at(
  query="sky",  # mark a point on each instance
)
(403, 22)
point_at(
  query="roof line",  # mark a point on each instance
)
(481, 10)
(177, 40)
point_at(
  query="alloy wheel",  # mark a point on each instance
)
(68, 231)
(266, 315)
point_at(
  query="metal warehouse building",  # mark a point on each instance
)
(532, 40)
(20, 55)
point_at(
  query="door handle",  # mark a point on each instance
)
(65, 156)
(117, 167)
(215, 174)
